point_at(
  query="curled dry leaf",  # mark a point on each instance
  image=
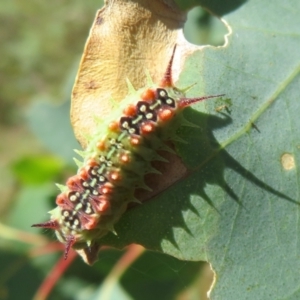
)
(127, 39)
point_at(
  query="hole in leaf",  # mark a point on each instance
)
(202, 28)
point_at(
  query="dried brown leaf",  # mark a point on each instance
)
(126, 39)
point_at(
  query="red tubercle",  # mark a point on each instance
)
(165, 114)
(101, 145)
(130, 110)
(135, 140)
(106, 189)
(63, 201)
(147, 127)
(88, 222)
(124, 158)
(82, 175)
(114, 176)
(100, 204)
(167, 80)
(148, 95)
(74, 183)
(92, 163)
(52, 224)
(114, 126)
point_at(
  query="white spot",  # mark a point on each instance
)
(162, 93)
(125, 125)
(95, 193)
(88, 210)
(131, 130)
(143, 108)
(73, 198)
(76, 222)
(169, 101)
(85, 184)
(66, 213)
(149, 116)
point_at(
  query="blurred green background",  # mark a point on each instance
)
(41, 45)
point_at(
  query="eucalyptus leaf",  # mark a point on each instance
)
(239, 206)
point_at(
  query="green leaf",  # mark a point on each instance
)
(17, 269)
(51, 123)
(32, 205)
(239, 206)
(37, 169)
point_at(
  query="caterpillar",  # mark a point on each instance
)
(116, 161)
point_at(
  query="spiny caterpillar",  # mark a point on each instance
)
(116, 161)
